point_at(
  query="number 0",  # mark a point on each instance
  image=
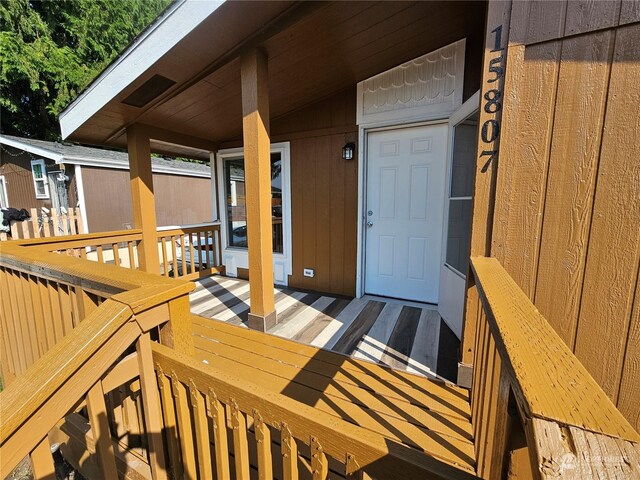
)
(490, 126)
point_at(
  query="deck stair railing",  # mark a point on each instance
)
(122, 391)
(531, 396)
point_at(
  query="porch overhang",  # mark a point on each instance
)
(314, 50)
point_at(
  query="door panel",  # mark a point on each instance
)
(405, 200)
(457, 238)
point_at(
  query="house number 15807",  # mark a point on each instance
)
(490, 130)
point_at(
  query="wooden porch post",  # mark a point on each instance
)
(143, 200)
(257, 161)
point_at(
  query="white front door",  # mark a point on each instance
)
(404, 211)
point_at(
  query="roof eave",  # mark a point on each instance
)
(177, 22)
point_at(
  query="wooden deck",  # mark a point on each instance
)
(403, 335)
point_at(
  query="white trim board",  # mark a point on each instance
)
(177, 22)
(81, 200)
(233, 257)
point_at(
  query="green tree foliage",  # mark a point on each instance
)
(50, 50)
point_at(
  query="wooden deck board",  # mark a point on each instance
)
(429, 415)
(371, 329)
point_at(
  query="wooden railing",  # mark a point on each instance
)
(187, 252)
(54, 224)
(107, 312)
(190, 251)
(532, 398)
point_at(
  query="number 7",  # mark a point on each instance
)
(492, 154)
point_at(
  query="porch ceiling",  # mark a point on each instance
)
(314, 50)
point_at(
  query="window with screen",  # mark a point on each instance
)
(461, 194)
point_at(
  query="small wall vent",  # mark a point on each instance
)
(149, 90)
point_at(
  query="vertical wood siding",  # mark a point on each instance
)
(324, 194)
(180, 200)
(17, 173)
(567, 206)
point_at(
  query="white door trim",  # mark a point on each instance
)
(234, 257)
(363, 132)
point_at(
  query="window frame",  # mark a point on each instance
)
(3, 186)
(46, 195)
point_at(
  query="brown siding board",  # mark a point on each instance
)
(323, 193)
(614, 244)
(337, 238)
(527, 123)
(180, 200)
(537, 21)
(629, 11)
(588, 15)
(577, 128)
(107, 199)
(630, 382)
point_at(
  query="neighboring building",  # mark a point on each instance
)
(36, 174)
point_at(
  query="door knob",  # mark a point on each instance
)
(369, 224)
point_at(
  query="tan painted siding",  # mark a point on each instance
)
(180, 200)
(567, 206)
(324, 193)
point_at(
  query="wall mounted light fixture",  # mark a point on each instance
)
(348, 151)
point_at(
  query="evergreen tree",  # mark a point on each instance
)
(50, 50)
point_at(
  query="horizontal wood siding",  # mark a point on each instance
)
(180, 200)
(567, 207)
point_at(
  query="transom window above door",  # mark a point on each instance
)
(236, 207)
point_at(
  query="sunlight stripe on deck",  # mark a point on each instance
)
(388, 332)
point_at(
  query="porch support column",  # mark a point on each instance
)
(257, 164)
(143, 200)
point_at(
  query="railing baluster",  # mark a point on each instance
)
(170, 424)
(116, 254)
(22, 321)
(34, 223)
(41, 324)
(174, 259)
(319, 462)
(45, 226)
(42, 461)
(100, 254)
(263, 440)
(25, 229)
(132, 260)
(240, 443)
(289, 454)
(184, 427)
(10, 360)
(203, 446)
(98, 419)
(54, 302)
(152, 410)
(192, 254)
(165, 264)
(183, 254)
(219, 436)
(43, 295)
